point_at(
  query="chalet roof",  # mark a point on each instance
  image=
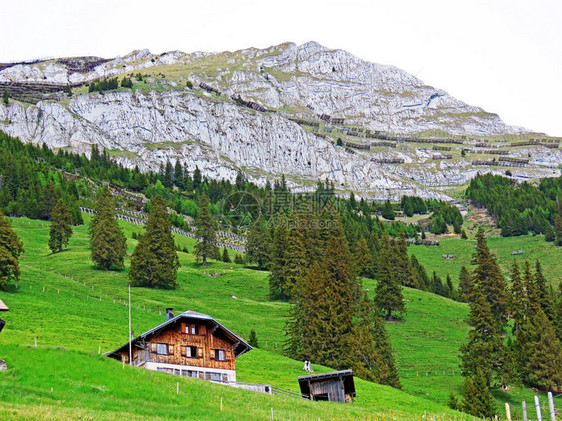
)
(189, 315)
(3, 307)
(345, 375)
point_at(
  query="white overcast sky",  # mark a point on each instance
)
(502, 55)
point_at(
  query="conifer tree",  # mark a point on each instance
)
(258, 245)
(533, 300)
(465, 284)
(519, 298)
(539, 352)
(488, 276)
(61, 230)
(154, 262)
(11, 249)
(107, 240)
(363, 258)
(296, 260)
(387, 211)
(225, 256)
(401, 266)
(545, 298)
(558, 311)
(478, 400)
(278, 261)
(374, 359)
(253, 339)
(206, 232)
(178, 175)
(421, 275)
(167, 179)
(388, 296)
(484, 348)
(558, 227)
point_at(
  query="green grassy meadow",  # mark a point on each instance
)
(75, 310)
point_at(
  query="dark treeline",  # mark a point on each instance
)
(520, 208)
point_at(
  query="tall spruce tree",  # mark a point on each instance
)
(478, 400)
(206, 232)
(519, 298)
(545, 299)
(558, 227)
(388, 296)
(60, 230)
(278, 261)
(488, 276)
(258, 245)
(363, 258)
(107, 240)
(558, 311)
(374, 359)
(539, 352)
(533, 300)
(11, 249)
(154, 263)
(484, 348)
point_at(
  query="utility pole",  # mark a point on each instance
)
(130, 339)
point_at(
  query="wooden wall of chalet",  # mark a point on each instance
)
(205, 341)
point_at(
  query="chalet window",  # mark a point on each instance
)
(191, 352)
(220, 355)
(192, 329)
(191, 373)
(162, 349)
(216, 376)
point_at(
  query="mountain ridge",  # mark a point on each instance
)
(280, 110)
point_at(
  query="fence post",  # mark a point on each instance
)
(525, 412)
(551, 407)
(538, 407)
(507, 412)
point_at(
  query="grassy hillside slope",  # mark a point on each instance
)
(73, 310)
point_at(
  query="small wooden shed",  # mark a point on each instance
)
(337, 386)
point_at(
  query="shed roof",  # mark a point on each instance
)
(188, 315)
(3, 307)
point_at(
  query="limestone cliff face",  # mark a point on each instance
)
(168, 121)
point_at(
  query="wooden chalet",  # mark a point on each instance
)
(191, 344)
(337, 386)
(3, 307)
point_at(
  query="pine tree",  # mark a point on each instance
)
(519, 298)
(533, 300)
(107, 240)
(11, 249)
(258, 245)
(545, 298)
(61, 230)
(178, 175)
(363, 258)
(421, 275)
(197, 179)
(374, 359)
(388, 292)
(484, 348)
(465, 284)
(253, 339)
(154, 262)
(558, 311)
(206, 232)
(296, 259)
(454, 403)
(167, 180)
(225, 256)
(387, 211)
(558, 227)
(539, 352)
(478, 400)
(488, 276)
(278, 261)
(400, 261)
